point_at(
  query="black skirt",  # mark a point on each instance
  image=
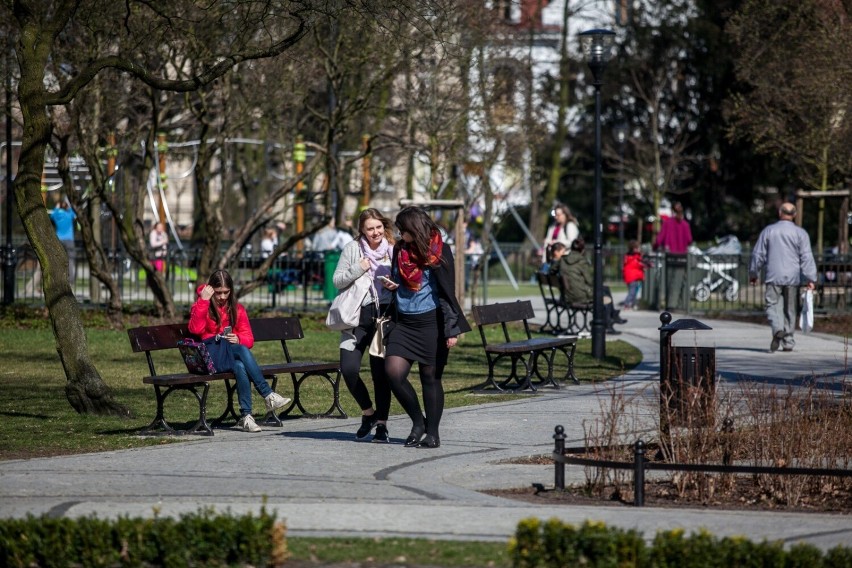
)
(415, 337)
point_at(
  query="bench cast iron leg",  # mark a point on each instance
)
(297, 397)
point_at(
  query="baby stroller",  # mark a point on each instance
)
(717, 261)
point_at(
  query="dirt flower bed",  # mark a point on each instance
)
(744, 496)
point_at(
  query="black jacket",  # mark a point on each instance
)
(451, 314)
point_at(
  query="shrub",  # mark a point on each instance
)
(196, 539)
(557, 544)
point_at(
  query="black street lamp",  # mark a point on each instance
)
(597, 49)
(9, 255)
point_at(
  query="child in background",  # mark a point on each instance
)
(634, 274)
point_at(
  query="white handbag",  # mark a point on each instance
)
(345, 309)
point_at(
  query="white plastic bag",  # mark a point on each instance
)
(806, 318)
(345, 310)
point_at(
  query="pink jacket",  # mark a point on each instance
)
(204, 326)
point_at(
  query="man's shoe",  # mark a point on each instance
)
(275, 401)
(247, 424)
(787, 349)
(776, 341)
(381, 436)
(616, 317)
(367, 423)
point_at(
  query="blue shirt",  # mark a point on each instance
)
(64, 221)
(423, 300)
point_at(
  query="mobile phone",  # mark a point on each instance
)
(227, 330)
(386, 280)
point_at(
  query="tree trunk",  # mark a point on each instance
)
(85, 390)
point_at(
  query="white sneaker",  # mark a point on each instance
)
(275, 401)
(247, 424)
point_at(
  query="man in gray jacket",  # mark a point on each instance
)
(785, 250)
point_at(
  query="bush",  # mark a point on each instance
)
(557, 544)
(195, 539)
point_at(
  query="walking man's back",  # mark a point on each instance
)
(784, 249)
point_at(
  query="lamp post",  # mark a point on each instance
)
(597, 48)
(9, 254)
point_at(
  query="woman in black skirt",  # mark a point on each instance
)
(428, 321)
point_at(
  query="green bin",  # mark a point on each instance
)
(331, 258)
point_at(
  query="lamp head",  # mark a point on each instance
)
(597, 49)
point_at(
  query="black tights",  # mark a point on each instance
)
(433, 393)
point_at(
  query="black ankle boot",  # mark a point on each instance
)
(416, 435)
(430, 441)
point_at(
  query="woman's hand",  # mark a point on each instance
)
(452, 342)
(207, 292)
(365, 264)
(232, 338)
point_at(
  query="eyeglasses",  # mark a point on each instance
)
(225, 293)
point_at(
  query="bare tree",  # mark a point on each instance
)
(795, 59)
(255, 30)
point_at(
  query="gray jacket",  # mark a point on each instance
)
(785, 250)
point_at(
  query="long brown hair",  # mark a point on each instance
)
(420, 225)
(222, 279)
(373, 213)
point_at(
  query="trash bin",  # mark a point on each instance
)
(687, 378)
(331, 257)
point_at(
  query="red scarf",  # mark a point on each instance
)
(411, 267)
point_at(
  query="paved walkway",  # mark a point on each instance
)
(323, 483)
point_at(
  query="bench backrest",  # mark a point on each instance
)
(156, 337)
(504, 312)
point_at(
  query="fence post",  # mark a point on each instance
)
(727, 432)
(559, 448)
(639, 473)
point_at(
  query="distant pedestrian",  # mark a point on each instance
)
(563, 230)
(674, 239)
(785, 250)
(63, 219)
(158, 241)
(634, 273)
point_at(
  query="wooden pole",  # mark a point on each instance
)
(365, 172)
(162, 150)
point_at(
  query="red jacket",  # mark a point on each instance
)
(202, 325)
(634, 268)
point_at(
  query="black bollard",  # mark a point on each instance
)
(559, 448)
(639, 473)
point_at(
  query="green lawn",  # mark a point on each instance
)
(37, 419)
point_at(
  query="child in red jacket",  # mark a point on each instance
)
(634, 273)
(216, 309)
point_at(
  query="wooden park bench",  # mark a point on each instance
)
(526, 350)
(577, 315)
(160, 337)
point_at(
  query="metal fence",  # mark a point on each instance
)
(714, 283)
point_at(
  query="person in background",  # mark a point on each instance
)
(268, 242)
(576, 270)
(63, 220)
(634, 273)
(427, 324)
(674, 239)
(158, 241)
(330, 238)
(215, 309)
(472, 255)
(785, 250)
(369, 253)
(563, 230)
